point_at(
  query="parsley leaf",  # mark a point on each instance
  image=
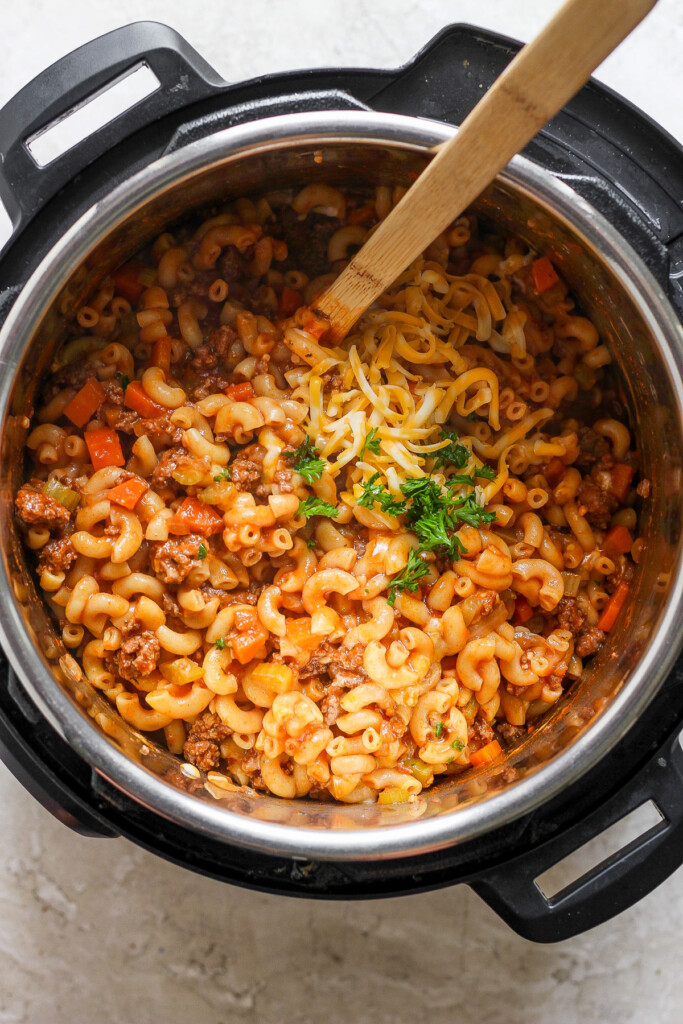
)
(371, 443)
(374, 493)
(461, 479)
(408, 578)
(316, 507)
(467, 510)
(306, 462)
(438, 730)
(201, 553)
(220, 643)
(452, 454)
(310, 543)
(486, 471)
(458, 745)
(225, 474)
(125, 380)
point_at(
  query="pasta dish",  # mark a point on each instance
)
(336, 571)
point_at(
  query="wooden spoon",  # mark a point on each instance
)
(543, 76)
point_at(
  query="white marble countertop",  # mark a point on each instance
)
(100, 930)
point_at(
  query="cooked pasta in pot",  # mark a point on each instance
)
(336, 571)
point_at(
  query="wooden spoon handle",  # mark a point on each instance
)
(543, 76)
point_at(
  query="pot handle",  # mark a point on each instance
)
(512, 888)
(184, 77)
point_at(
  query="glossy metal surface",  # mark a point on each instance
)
(614, 288)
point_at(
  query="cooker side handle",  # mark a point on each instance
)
(616, 884)
(184, 77)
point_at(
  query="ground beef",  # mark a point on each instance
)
(330, 705)
(307, 239)
(569, 615)
(174, 560)
(247, 466)
(159, 430)
(39, 509)
(57, 556)
(229, 264)
(113, 392)
(210, 383)
(203, 360)
(643, 489)
(73, 375)
(340, 663)
(510, 734)
(138, 655)
(591, 447)
(589, 641)
(175, 459)
(220, 340)
(282, 484)
(121, 419)
(599, 504)
(480, 731)
(202, 743)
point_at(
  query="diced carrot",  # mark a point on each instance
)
(127, 284)
(361, 215)
(617, 541)
(85, 402)
(486, 754)
(104, 447)
(137, 399)
(194, 516)
(245, 646)
(129, 492)
(613, 607)
(554, 470)
(299, 633)
(279, 678)
(523, 610)
(544, 275)
(241, 392)
(620, 480)
(290, 301)
(161, 354)
(313, 323)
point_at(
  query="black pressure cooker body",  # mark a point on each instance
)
(629, 170)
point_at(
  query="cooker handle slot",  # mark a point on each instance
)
(86, 74)
(513, 891)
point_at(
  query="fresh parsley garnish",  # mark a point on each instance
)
(409, 578)
(438, 730)
(467, 510)
(435, 515)
(225, 474)
(374, 493)
(371, 443)
(316, 507)
(458, 745)
(310, 543)
(306, 461)
(125, 380)
(201, 553)
(453, 454)
(487, 472)
(220, 643)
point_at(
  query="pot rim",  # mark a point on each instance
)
(401, 840)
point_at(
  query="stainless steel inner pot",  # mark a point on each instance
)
(614, 288)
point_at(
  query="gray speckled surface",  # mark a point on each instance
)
(100, 930)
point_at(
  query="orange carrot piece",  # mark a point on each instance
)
(245, 646)
(617, 541)
(621, 476)
(194, 516)
(241, 392)
(544, 275)
(85, 402)
(290, 301)
(137, 399)
(161, 354)
(613, 607)
(104, 447)
(361, 215)
(129, 492)
(299, 633)
(485, 754)
(127, 284)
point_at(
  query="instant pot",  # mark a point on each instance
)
(600, 189)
